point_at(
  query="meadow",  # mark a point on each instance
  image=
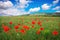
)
(29, 28)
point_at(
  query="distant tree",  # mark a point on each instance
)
(57, 13)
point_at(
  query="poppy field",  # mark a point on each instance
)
(29, 28)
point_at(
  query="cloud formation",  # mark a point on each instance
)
(23, 3)
(7, 8)
(58, 11)
(6, 4)
(56, 8)
(45, 7)
(55, 2)
(34, 9)
(14, 11)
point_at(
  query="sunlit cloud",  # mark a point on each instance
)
(45, 6)
(34, 9)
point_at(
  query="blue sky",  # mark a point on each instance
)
(29, 6)
(39, 3)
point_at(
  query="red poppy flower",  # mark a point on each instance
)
(38, 32)
(39, 23)
(16, 27)
(6, 28)
(22, 31)
(41, 28)
(32, 26)
(10, 22)
(33, 22)
(55, 32)
(26, 27)
(16, 30)
(19, 24)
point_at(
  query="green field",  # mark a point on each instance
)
(37, 28)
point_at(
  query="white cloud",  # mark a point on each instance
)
(56, 8)
(23, 3)
(13, 11)
(7, 9)
(34, 9)
(23, 6)
(58, 11)
(45, 7)
(55, 2)
(6, 4)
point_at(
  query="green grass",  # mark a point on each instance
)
(48, 23)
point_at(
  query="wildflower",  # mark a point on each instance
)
(55, 32)
(10, 22)
(41, 28)
(32, 26)
(22, 31)
(38, 32)
(16, 27)
(26, 27)
(16, 30)
(39, 23)
(6, 28)
(19, 24)
(33, 22)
